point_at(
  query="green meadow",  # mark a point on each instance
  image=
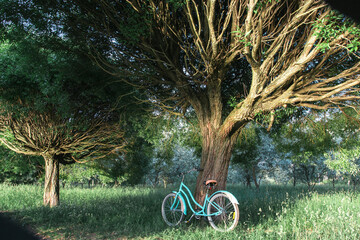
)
(272, 212)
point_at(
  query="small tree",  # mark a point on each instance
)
(255, 153)
(304, 141)
(344, 157)
(168, 168)
(58, 141)
(309, 168)
(345, 162)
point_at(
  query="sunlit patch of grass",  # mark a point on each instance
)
(272, 212)
(326, 216)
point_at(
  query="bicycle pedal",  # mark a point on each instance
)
(188, 221)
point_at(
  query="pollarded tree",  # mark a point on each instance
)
(196, 53)
(49, 108)
(57, 140)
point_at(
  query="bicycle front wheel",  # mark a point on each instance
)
(172, 209)
(223, 214)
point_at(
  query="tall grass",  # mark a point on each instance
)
(272, 212)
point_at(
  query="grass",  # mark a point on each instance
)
(273, 212)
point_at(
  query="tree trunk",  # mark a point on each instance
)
(215, 160)
(254, 177)
(248, 178)
(294, 176)
(218, 136)
(51, 188)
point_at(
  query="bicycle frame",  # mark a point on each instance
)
(177, 204)
(184, 191)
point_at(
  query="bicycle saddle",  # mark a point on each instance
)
(210, 184)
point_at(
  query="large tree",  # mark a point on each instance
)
(196, 54)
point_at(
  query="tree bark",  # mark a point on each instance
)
(51, 188)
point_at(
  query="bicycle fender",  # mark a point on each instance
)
(229, 194)
(179, 194)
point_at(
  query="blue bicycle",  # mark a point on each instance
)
(221, 208)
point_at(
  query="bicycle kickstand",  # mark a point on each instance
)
(190, 218)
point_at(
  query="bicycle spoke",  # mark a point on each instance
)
(229, 205)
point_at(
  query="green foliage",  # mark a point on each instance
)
(50, 76)
(177, 3)
(305, 135)
(233, 101)
(242, 37)
(246, 148)
(45, 79)
(332, 27)
(304, 141)
(166, 170)
(256, 155)
(344, 157)
(176, 148)
(64, 82)
(145, 133)
(19, 169)
(130, 167)
(279, 115)
(262, 3)
(344, 124)
(344, 161)
(77, 173)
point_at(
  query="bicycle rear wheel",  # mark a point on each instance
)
(172, 209)
(225, 213)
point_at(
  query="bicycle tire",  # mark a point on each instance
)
(228, 216)
(172, 217)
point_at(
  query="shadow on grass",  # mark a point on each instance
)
(10, 229)
(97, 214)
(136, 212)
